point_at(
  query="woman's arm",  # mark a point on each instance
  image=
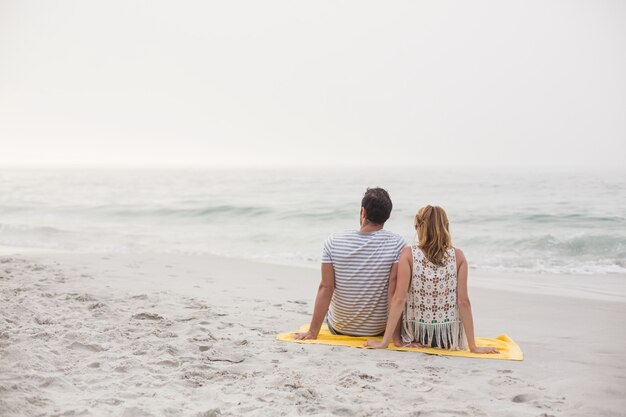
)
(393, 281)
(465, 307)
(396, 306)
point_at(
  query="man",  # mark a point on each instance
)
(356, 269)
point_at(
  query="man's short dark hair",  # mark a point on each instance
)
(377, 205)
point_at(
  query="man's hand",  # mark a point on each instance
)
(305, 336)
(376, 344)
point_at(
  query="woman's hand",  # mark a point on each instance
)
(400, 343)
(376, 344)
(484, 349)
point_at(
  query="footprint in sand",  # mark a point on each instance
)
(504, 380)
(95, 306)
(37, 268)
(170, 350)
(38, 401)
(342, 411)
(147, 316)
(82, 297)
(436, 369)
(196, 378)
(307, 393)
(162, 334)
(135, 412)
(214, 412)
(439, 412)
(168, 363)
(43, 321)
(224, 358)
(387, 364)
(193, 303)
(204, 339)
(86, 347)
(524, 398)
(351, 378)
(139, 297)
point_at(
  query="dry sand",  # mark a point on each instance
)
(186, 335)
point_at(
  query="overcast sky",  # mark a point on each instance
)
(469, 83)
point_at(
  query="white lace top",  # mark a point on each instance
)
(431, 315)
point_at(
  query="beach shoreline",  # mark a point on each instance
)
(162, 334)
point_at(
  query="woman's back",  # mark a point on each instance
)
(431, 315)
(430, 296)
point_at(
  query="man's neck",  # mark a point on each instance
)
(370, 227)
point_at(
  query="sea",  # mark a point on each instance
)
(504, 220)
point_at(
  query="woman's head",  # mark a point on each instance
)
(433, 233)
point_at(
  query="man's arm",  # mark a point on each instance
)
(322, 301)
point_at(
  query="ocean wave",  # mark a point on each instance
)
(573, 246)
(319, 215)
(568, 269)
(127, 210)
(223, 209)
(36, 237)
(505, 265)
(25, 230)
(540, 218)
(278, 212)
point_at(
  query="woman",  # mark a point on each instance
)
(433, 274)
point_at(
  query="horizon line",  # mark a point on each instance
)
(310, 165)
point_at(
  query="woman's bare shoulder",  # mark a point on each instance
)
(407, 253)
(460, 256)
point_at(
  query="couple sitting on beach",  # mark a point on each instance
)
(373, 284)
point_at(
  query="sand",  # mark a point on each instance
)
(191, 335)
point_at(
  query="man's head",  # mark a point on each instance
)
(375, 206)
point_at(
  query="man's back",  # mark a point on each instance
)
(362, 262)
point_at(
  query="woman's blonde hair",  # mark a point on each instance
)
(433, 233)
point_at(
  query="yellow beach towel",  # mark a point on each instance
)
(509, 350)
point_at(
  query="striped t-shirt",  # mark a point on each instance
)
(362, 262)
